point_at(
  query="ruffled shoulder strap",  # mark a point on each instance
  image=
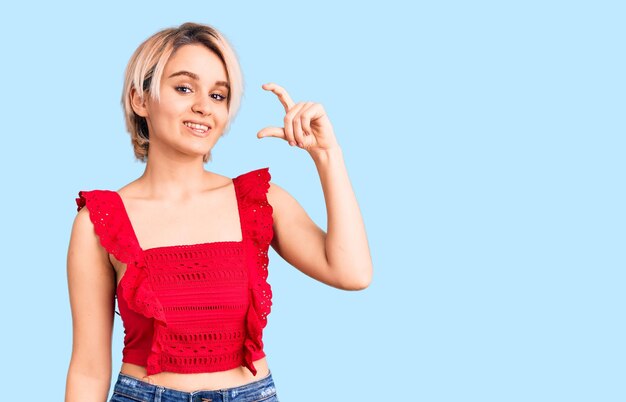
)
(255, 210)
(111, 223)
(252, 187)
(256, 222)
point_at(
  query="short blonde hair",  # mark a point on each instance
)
(146, 66)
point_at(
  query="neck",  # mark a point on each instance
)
(170, 177)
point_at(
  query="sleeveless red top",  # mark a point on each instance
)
(192, 308)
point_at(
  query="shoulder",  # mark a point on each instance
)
(276, 194)
(82, 222)
(283, 203)
(261, 180)
(83, 238)
(89, 204)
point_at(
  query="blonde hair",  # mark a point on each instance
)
(145, 69)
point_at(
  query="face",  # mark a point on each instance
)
(192, 111)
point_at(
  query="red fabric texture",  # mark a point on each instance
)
(192, 308)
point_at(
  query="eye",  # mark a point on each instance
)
(183, 88)
(218, 97)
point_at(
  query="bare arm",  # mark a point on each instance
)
(341, 257)
(91, 283)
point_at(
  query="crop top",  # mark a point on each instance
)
(192, 308)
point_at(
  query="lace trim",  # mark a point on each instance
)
(108, 224)
(252, 190)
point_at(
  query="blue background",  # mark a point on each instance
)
(485, 142)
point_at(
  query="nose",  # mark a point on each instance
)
(202, 105)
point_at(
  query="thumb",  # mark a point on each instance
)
(271, 132)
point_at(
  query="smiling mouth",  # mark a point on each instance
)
(197, 128)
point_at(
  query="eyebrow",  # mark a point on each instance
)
(197, 78)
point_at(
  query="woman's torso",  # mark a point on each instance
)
(222, 224)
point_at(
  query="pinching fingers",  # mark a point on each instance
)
(293, 128)
(307, 115)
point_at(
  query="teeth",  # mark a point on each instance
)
(196, 126)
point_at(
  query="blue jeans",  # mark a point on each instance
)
(130, 389)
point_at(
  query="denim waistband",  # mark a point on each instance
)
(138, 390)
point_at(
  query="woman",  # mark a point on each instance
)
(183, 249)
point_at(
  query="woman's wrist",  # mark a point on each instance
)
(324, 156)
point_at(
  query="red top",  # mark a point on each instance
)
(194, 308)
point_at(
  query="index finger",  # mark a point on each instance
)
(282, 94)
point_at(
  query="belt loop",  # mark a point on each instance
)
(157, 393)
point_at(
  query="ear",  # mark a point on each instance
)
(138, 103)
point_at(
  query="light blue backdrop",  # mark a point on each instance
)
(485, 141)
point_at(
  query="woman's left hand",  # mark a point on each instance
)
(306, 124)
